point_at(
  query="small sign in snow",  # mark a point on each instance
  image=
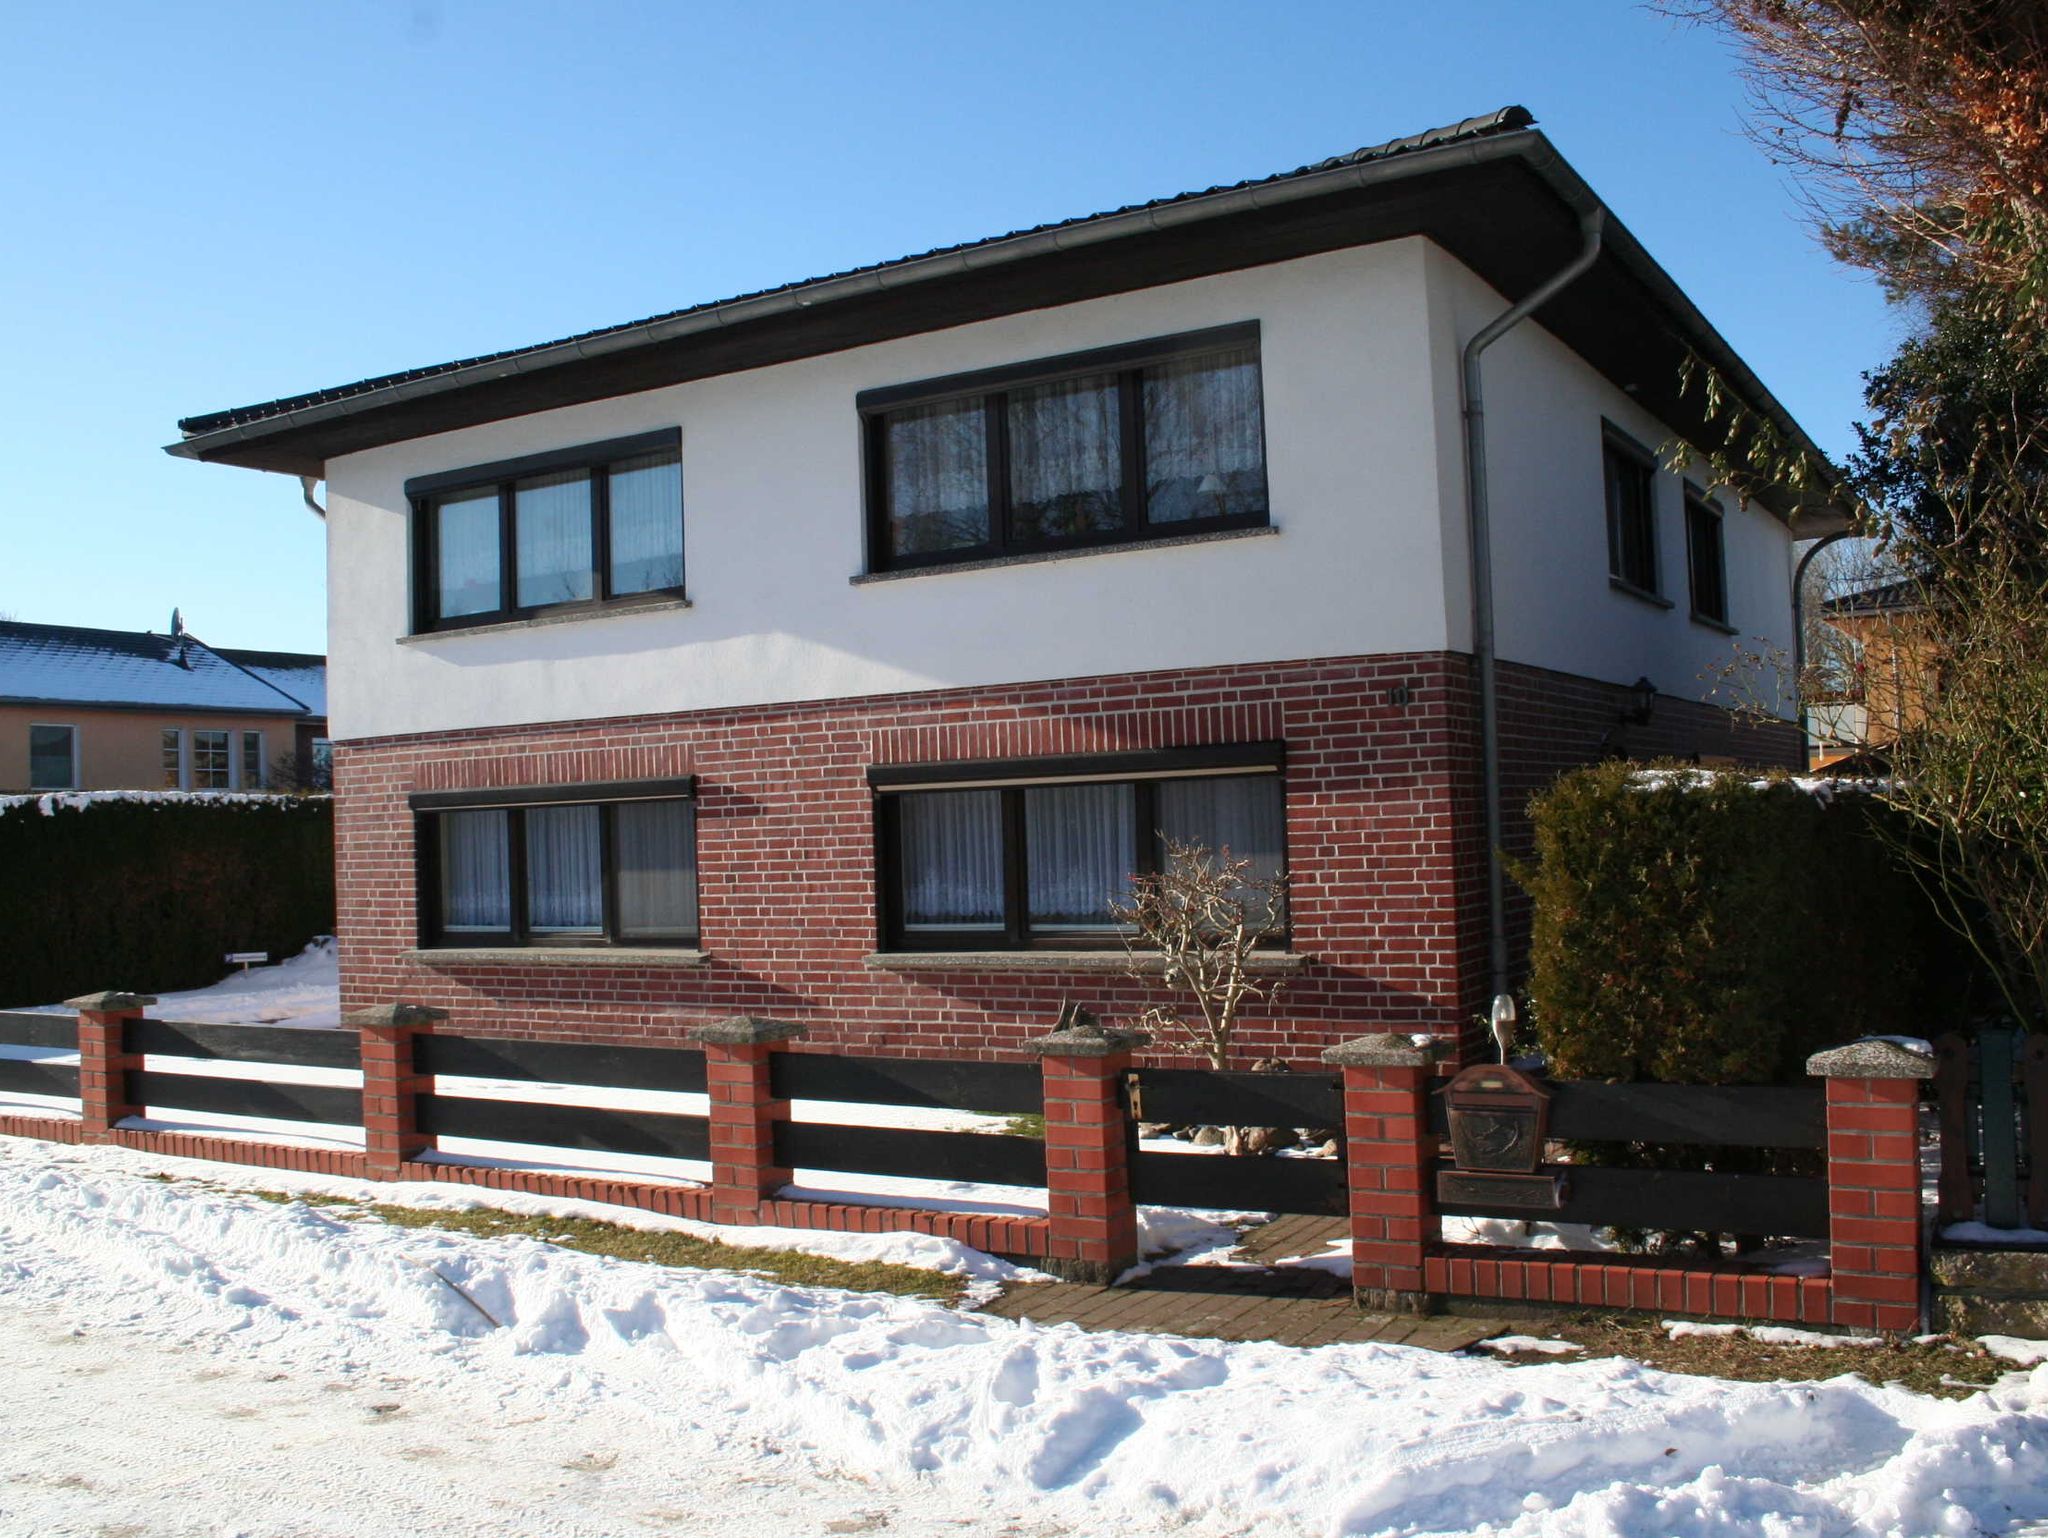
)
(248, 959)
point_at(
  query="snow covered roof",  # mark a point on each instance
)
(302, 675)
(72, 665)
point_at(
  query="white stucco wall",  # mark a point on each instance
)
(1554, 605)
(774, 529)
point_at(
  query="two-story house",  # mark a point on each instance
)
(837, 651)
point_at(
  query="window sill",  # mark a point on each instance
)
(1623, 585)
(537, 621)
(1034, 557)
(1055, 961)
(1711, 623)
(452, 959)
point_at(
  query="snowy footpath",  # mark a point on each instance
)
(185, 1359)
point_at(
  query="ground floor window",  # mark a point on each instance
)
(1036, 857)
(211, 763)
(254, 770)
(171, 755)
(615, 865)
(53, 758)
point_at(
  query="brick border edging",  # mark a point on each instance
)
(1639, 1285)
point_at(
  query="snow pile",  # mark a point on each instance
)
(906, 1407)
(1511, 1344)
(1766, 1334)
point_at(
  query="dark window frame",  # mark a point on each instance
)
(992, 387)
(227, 757)
(1698, 505)
(1010, 779)
(74, 757)
(425, 493)
(1617, 447)
(429, 806)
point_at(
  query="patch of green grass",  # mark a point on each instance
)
(1031, 1124)
(1945, 1368)
(651, 1246)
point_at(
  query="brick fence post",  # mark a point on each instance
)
(1093, 1228)
(391, 1132)
(1876, 1236)
(738, 1054)
(1389, 1148)
(103, 1060)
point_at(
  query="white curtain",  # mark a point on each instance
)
(1244, 818)
(1066, 459)
(646, 500)
(564, 870)
(476, 887)
(938, 477)
(950, 850)
(466, 553)
(656, 853)
(1080, 848)
(551, 519)
(1205, 454)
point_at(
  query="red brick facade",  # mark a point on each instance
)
(1382, 831)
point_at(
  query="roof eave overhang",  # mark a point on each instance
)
(268, 443)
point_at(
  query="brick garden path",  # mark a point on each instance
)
(1291, 1306)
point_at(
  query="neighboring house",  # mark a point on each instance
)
(1891, 666)
(126, 710)
(835, 652)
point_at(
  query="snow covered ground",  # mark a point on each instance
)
(182, 1359)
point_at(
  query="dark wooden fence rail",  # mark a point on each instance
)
(1701, 1115)
(1205, 1097)
(26, 1077)
(997, 1089)
(207, 1094)
(593, 1129)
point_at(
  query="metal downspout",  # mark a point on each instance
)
(1591, 224)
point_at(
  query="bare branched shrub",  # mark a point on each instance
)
(1192, 928)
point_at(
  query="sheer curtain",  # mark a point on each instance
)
(466, 553)
(1066, 459)
(1205, 446)
(656, 856)
(476, 887)
(1243, 817)
(564, 870)
(646, 509)
(950, 849)
(1080, 847)
(551, 517)
(938, 477)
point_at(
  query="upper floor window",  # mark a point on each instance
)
(53, 758)
(1036, 858)
(579, 526)
(572, 865)
(1094, 448)
(1706, 558)
(1631, 476)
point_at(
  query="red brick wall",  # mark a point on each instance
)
(1383, 841)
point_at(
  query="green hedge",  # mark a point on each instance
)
(1704, 927)
(148, 892)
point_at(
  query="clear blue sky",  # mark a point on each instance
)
(209, 205)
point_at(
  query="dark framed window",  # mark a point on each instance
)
(1030, 853)
(1631, 475)
(171, 757)
(52, 757)
(588, 865)
(1095, 448)
(212, 762)
(1705, 558)
(580, 527)
(254, 770)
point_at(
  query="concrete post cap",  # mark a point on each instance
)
(392, 1016)
(112, 1002)
(1090, 1040)
(750, 1031)
(1383, 1052)
(1874, 1058)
